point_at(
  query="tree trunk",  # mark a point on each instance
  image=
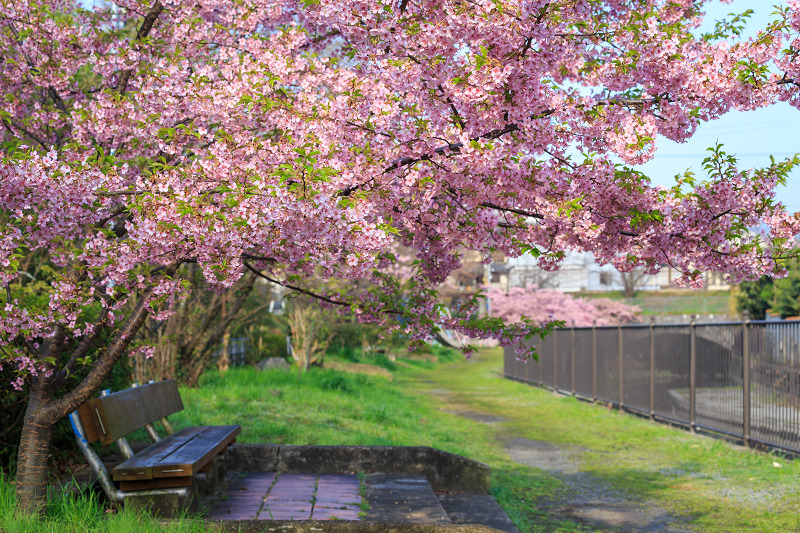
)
(34, 449)
(45, 410)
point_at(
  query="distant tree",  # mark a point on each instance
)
(311, 332)
(782, 296)
(184, 344)
(755, 297)
(544, 305)
(632, 281)
(786, 292)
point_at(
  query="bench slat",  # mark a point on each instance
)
(197, 453)
(111, 417)
(140, 466)
(161, 483)
(179, 455)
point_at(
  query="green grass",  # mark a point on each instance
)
(321, 406)
(717, 486)
(669, 303)
(85, 513)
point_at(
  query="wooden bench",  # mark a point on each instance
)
(170, 467)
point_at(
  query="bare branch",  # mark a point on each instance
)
(294, 287)
(144, 30)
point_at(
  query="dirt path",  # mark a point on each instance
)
(561, 464)
(587, 500)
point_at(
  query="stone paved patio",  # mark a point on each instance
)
(268, 496)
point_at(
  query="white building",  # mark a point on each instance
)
(579, 272)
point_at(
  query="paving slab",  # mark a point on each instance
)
(477, 509)
(403, 498)
(344, 526)
(278, 497)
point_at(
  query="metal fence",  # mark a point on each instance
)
(737, 378)
(238, 350)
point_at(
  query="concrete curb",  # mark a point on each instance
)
(444, 471)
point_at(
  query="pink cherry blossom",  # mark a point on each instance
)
(299, 138)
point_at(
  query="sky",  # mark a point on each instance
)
(752, 136)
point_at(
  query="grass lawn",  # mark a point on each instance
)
(719, 487)
(65, 514)
(675, 303)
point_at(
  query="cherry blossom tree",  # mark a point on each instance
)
(292, 138)
(546, 305)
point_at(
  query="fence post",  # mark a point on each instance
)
(594, 360)
(692, 371)
(572, 362)
(652, 367)
(522, 365)
(746, 377)
(621, 378)
(539, 365)
(555, 360)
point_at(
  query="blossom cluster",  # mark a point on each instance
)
(545, 305)
(298, 138)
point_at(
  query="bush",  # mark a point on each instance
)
(265, 346)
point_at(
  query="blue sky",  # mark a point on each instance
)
(752, 136)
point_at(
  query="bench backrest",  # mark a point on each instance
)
(113, 416)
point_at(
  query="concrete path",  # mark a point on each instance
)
(388, 498)
(590, 499)
(403, 498)
(268, 496)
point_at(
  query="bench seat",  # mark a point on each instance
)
(180, 455)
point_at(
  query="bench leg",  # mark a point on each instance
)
(181, 496)
(211, 477)
(94, 461)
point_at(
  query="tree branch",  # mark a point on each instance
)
(538, 216)
(102, 368)
(57, 101)
(82, 349)
(21, 128)
(144, 30)
(514, 210)
(258, 258)
(456, 147)
(294, 287)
